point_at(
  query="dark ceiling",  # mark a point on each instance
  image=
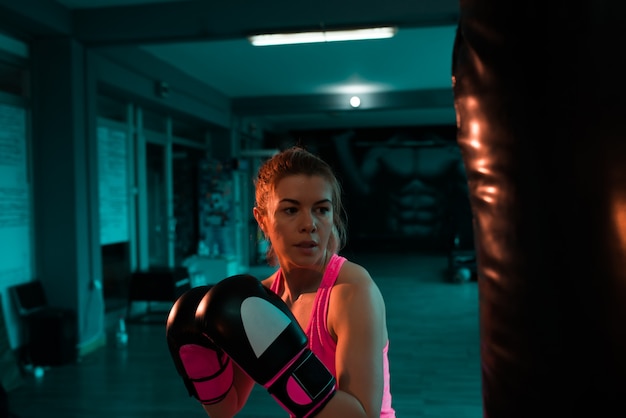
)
(402, 81)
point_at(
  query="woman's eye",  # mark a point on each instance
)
(290, 211)
(323, 210)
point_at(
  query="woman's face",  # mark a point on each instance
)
(299, 220)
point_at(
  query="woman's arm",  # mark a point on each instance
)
(357, 318)
(236, 397)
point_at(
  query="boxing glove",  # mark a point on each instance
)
(259, 333)
(205, 369)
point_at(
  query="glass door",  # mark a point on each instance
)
(167, 189)
(159, 234)
(185, 169)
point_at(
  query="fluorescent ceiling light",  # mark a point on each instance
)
(323, 36)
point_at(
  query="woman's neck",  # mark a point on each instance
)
(298, 281)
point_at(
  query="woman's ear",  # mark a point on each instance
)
(258, 216)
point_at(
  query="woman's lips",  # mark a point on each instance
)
(306, 244)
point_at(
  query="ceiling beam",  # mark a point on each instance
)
(29, 19)
(214, 20)
(352, 120)
(296, 104)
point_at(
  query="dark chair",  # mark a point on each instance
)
(52, 332)
(157, 284)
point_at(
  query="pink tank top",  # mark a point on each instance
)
(320, 340)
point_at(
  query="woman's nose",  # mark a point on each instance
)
(308, 223)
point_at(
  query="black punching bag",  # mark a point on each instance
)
(540, 95)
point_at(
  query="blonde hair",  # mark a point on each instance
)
(294, 161)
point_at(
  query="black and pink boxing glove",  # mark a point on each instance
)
(259, 333)
(206, 370)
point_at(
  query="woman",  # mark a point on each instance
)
(335, 301)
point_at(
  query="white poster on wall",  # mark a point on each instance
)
(113, 185)
(15, 219)
(15, 211)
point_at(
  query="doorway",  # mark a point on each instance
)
(160, 235)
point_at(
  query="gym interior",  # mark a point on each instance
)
(487, 203)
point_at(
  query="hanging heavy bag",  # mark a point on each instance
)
(540, 102)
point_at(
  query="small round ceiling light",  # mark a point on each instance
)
(355, 101)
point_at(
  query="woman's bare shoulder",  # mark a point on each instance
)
(353, 274)
(355, 282)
